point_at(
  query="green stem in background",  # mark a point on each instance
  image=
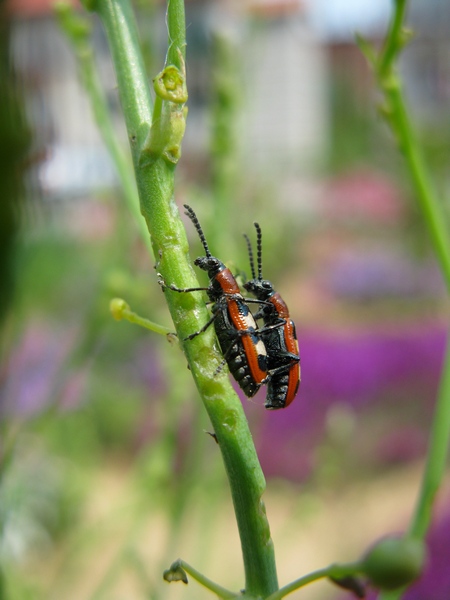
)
(435, 465)
(154, 163)
(77, 30)
(435, 219)
(437, 455)
(224, 138)
(432, 209)
(396, 114)
(393, 40)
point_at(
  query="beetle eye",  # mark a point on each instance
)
(266, 284)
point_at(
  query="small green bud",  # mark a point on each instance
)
(394, 562)
(406, 36)
(177, 127)
(117, 306)
(77, 27)
(170, 84)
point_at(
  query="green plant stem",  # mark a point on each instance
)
(299, 583)
(398, 118)
(391, 44)
(432, 209)
(437, 455)
(220, 591)
(133, 317)
(106, 127)
(332, 571)
(121, 310)
(155, 179)
(437, 224)
(176, 26)
(224, 146)
(435, 465)
(77, 31)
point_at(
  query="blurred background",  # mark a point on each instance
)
(107, 475)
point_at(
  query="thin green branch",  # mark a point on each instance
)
(121, 310)
(397, 116)
(299, 583)
(433, 213)
(178, 570)
(391, 44)
(334, 571)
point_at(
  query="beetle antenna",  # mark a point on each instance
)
(258, 249)
(250, 255)
(193, 217)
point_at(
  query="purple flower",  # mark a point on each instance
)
(31, 374)
(398, 368)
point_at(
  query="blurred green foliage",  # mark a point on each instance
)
(121, 416)
(14, 145)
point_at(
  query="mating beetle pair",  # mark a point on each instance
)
(255, 355)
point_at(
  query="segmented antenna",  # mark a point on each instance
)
(193, 217)
(258, 249)
(250, 255)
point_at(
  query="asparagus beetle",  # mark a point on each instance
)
(236, 329)
(278, 334)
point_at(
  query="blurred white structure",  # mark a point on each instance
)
(288, 49)
(286, 100)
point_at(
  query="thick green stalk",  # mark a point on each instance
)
(154, 156)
